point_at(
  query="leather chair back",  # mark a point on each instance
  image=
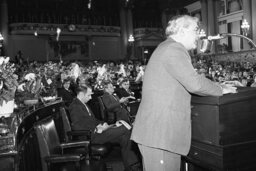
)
(66, 123)
(48, 139)
(67, 129)
(103, 110)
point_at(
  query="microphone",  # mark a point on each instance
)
(206, 42)
(217, 37)
(205, 45)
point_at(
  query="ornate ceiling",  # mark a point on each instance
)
(144, 11)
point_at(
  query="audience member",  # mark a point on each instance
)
(113, 104)
(124, 88)
(65, 93)
(82, 118)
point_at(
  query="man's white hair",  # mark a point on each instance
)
(179, 22)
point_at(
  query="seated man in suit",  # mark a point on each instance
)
(124, 91)
(115, 106)
(82, 118)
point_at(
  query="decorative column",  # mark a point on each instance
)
(124, 37)
(126, 25)
(211, 17)
(204, 15)
(253, 24)
(130, 34)
(4, 25)
(208, 16)
(208, 8)
(247, 15)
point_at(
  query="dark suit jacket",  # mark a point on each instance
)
(114, 108)
(81, 119)
(67, 96)
(121, 92)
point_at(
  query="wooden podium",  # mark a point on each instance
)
(224, 132)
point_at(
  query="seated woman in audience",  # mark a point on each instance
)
(65, 93)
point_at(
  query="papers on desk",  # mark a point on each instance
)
(233, 83)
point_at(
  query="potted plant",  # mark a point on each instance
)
(8, 86)
(29, 89)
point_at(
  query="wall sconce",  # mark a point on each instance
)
(1, 40)
(245, 27)
(1, 43)
(58, 33)
(35, 33)
(146, 51)
(89, 5)
(130, 47)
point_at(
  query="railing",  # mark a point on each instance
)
(50, 29)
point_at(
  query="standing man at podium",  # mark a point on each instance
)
(162, 126)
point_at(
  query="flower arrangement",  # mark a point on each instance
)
(104, 74)
(8, 80)
(30, 87)
(39, 81)
(50, 75)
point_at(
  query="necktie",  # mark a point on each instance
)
(89, 112)
(116, 98)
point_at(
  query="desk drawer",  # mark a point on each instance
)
(205, 119)
(206, 157)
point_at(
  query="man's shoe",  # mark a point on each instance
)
(134, 167)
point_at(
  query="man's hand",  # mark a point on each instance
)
(228, 89)
(123, 99)
(102, 127)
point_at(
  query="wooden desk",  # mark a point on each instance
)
(224, 131)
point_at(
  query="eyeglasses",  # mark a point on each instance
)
(197, 30)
